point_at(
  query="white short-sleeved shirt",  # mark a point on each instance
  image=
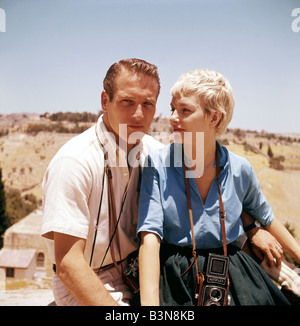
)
(72, 188)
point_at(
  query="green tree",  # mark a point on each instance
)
(4, 224)
(270, 152)
(17, 207)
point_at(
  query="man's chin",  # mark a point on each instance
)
(135, 135)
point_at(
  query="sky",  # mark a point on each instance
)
(54, 53)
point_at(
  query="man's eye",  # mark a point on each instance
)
(148, 103)
(127, 101)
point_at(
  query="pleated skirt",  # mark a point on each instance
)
(249, 284)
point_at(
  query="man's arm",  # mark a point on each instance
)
(76, 274)
(289, 244)
(263, 243)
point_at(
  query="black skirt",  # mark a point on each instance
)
(249, 284)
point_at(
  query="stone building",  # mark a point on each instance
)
(25, 254)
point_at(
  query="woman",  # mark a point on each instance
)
(202, 104)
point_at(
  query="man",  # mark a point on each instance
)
(72, 189)
(76, 206)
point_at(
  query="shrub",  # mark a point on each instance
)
(17, 207)
(275, 162)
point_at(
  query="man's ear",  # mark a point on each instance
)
(215, 118)
(104, 101)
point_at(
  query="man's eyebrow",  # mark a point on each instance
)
(124, 94)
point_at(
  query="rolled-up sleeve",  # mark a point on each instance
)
(151, 214)
(255, 202)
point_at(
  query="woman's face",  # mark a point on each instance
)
(188, 117)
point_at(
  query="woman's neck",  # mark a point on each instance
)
(201, 155)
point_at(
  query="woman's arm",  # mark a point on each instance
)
(289, 244)
(149, 269)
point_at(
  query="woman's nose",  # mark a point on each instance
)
(174, 117)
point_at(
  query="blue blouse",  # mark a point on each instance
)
(163, 208)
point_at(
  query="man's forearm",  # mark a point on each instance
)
(289, 244)
(246, 219)
(76, 274)
(85, 285)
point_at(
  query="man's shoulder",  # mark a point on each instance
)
(79, 146)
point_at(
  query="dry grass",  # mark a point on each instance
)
(281, 188)
(12, 284)
(24, 159)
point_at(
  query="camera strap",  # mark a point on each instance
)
(222, 214)
(222, 210)
(101, 196)
(113, 221)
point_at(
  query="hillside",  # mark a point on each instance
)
(24, 158)
(281, 187)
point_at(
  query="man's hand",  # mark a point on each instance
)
(264, 245)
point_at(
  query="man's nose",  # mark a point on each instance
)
(138, 114)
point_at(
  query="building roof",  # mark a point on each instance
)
(16, 258)
(30, 224)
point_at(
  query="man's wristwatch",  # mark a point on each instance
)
(251, 226)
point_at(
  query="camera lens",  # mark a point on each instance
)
(215, 294)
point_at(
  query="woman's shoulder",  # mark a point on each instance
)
(238, 163)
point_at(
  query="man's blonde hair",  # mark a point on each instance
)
(213, 91)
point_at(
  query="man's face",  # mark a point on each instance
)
(133, 104)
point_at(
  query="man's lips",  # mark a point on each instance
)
(177, 129)
(135, 126)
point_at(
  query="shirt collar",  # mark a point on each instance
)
(223, 155)
(109, 142)
(176, 153)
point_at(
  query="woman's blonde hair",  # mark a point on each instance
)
(213, 91)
